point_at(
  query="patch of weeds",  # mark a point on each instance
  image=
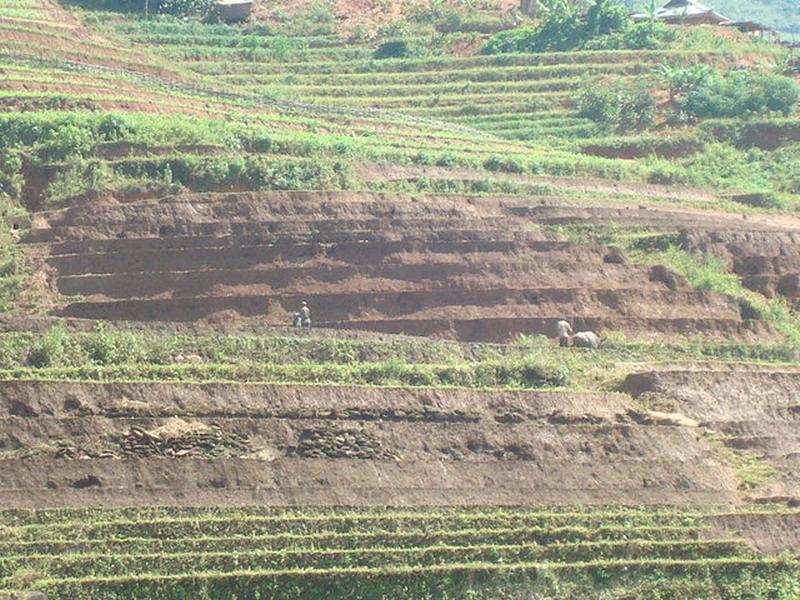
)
(14, 267)
(752, 470)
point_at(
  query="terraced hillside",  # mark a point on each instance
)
(171, 191)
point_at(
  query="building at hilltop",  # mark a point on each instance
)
(685, 12)
(690, 12)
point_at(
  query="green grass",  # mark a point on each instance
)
(109, 354)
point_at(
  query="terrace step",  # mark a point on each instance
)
(571, 525)
(459, 303)
(756, 410)
(33, 483)
(582, 442)
(290, 229)
(530, 240)
(148, 259)
(335, 277)
(172, 565)
(429, 446)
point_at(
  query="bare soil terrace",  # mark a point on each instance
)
(473, 269)
(343, 445)
(753, 410)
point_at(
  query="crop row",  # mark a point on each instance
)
(320, 540)
(105, 565)
(528, 106)
(427, 104)
(266, 55)
(254, 525)
(171, 26)
(14, 517)
(533, 133)
(464, 89)
(235, 40)
(473, 75)
(29, 14)
(530, 374)
(453, 580)
(454, 63)
(21, 4)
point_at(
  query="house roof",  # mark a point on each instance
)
(676, 9)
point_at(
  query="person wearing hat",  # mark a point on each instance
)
(305, 315)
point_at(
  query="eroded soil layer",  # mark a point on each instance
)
(72, 444)
(473, 269)
(754, 411)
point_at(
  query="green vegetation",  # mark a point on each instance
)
(424, 553)
(109, 354)
(700, 92)
(450, 99)
(617, 108)
(13, 264)
(606, 25)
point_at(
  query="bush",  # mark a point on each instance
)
(10, 173)
(316, 19)
(113, 128)
(186, 8)
(617, 107)
(108, 347)
(738, 94)
(396, 49)
(562, 29)
(640, 36)
(66, 141)
(49, 350)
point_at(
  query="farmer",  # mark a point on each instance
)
(297, 320)
(564, 332)
(305, 316)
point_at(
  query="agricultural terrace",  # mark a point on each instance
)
(442, 182)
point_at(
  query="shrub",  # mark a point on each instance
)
(737, 94)
(66, 141)
(10, 173)
(185, 8)
(725, 166)
(108, 347)
(639, 36)
(617, 107)
(114, 127)
(80, 178)
(316, 19)
(395, 49)
(605, 17)
(562, 28)
(49, 350)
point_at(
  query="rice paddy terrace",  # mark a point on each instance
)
(171, 192)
